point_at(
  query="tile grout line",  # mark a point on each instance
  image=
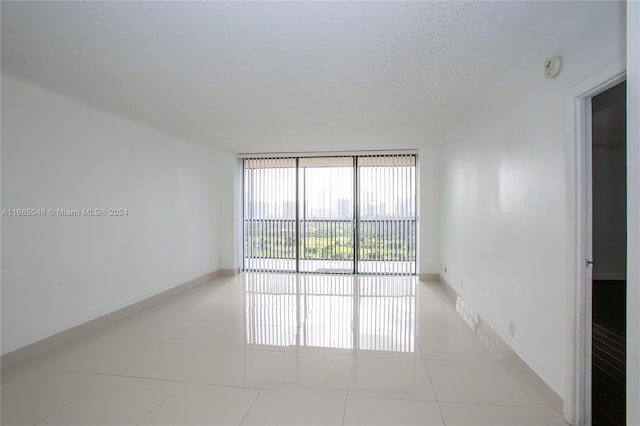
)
(250, 407)
(67, 404)
(260, 392)
(493, 404)
(97, 373)
(435, 395)
(346, 396)
(195, 345)
(182, 383)
(211, 357)
(161, 402)
(185, 381)
(544, 419)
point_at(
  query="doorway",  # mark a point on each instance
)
(609, 249)
(341, 214)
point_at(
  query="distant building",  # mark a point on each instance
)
(344, 210)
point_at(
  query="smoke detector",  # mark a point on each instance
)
(552, 66)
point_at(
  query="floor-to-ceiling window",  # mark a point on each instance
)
(331, 214)
(326, 214)
(270, 225)
(386, 214)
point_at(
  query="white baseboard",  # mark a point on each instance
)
(50, 343)
(518, 368)
(428, 277)
(230, 272)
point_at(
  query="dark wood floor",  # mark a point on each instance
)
(609, 353)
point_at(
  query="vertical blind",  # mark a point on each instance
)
(387, 212)
(270, 214)
(326, 214)
(339, 214)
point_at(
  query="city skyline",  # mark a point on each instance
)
(327, 193)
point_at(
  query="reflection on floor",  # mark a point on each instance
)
(283, 349)
(341, 312)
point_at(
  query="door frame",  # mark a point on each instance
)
(577, 401)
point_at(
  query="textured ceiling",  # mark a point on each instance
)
(279, 76)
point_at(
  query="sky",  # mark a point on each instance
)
(328, 191)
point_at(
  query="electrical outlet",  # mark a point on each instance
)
(445, 269)
(461, 285)
(512, 329)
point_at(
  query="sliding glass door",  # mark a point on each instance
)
(386, 214)
(326, 215)
(333, 214)
(270, 235)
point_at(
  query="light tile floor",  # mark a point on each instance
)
(281, 349)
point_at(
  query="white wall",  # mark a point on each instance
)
(504, 194)
(58, 272)
(230, 216)
(633, 216)
(429, 199)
